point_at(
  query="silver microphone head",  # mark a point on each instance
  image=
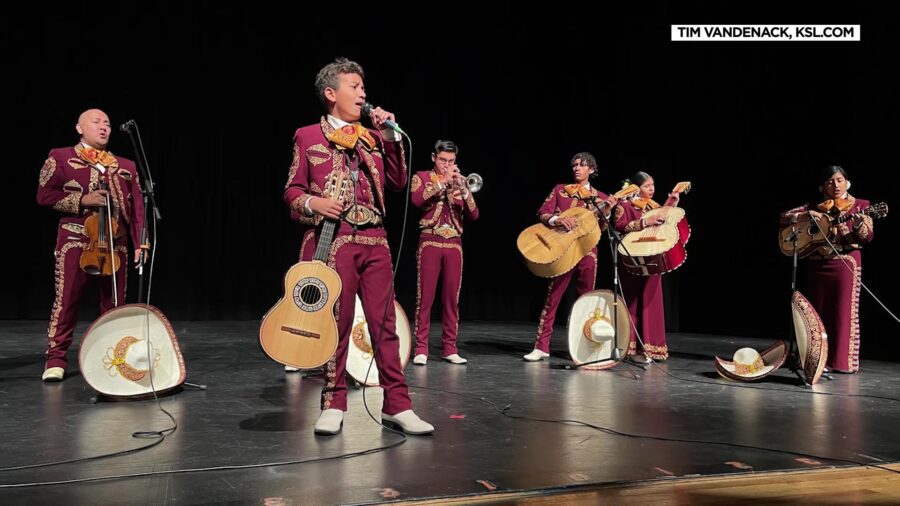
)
(367, 108)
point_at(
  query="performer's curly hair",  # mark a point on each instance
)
(588, 159)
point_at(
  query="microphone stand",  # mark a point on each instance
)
(615, 239)
(793, 347)
(147, 187)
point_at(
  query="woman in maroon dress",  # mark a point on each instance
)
(833, 277)
(643, 294)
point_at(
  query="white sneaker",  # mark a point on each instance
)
(639, 359)
(330, 422)
(53, 374)
(408, 422)
(455, 359)
(420, 359)
(536, 355)
(288, 368)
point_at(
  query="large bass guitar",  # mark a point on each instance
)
(551, 251)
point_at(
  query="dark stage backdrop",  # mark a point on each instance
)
(219, 90)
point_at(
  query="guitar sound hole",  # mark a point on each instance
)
(310, 294)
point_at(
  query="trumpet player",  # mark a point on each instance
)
(446, 199)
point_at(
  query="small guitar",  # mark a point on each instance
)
(811, 233)
(300, 330)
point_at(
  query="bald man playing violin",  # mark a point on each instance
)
(71, 183)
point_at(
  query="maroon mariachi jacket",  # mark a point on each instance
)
(441, 213)
(70, 173)
(319, 151)
(627, 216)
(567, 196)
(850, 236)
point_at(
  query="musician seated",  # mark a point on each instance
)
(579, 193)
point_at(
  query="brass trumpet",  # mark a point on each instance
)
(474, 182)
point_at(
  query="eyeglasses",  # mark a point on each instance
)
(446, 161)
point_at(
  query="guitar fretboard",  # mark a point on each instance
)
(323, 248)
(847, 217)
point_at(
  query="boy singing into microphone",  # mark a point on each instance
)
(360, 252)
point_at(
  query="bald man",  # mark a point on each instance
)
(70, 183)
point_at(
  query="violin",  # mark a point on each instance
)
(99, 258)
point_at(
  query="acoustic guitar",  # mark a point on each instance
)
(811, 233)
(300, 330)
(550, 252)
(660, 248)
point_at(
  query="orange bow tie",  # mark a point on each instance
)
(842, 205)
(347, 136)
(95, 156)
(576, 190)
(644, 204)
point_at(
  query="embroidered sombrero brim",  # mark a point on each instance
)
(773, 358)
(812, 341)
(113, 337)
(584, 346)
(359, 349)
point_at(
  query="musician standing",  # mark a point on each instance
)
(643, 294)
(445, 200)
(69, 183)
(372, 161)
(834, 277)
(562, 197)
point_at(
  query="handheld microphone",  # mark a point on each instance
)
(367, 109)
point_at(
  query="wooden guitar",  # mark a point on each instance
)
(300, 330)
(551, 251)
(811, 233)
(658, 249)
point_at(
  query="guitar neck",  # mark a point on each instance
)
(848, 217)
(323, 248)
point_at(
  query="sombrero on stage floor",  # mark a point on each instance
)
(115, 358)
(591, 330)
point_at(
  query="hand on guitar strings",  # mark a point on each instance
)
(567, 223)
(654, 220)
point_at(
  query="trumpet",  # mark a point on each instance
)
(474, 182)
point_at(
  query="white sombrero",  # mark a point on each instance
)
(128, 346)
(591, 330)
(359, 349)
(751, 365)
(812, 341)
